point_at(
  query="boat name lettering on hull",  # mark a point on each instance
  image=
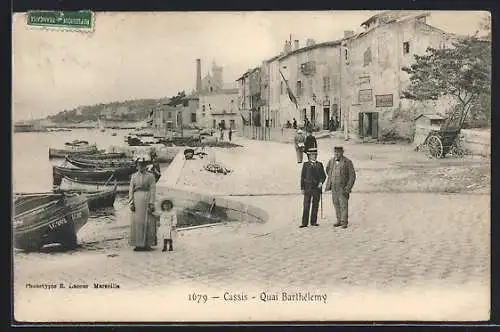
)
(57, 223)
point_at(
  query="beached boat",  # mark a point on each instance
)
(41, 219)
(74, 147)
(83, 162)
(83, 186)
(91, 174)
(102, 155)
(99, 199)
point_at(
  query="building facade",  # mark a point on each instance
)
(374, 80)
(219, 108)
(167, 119)
(356, 80)
(313, 74)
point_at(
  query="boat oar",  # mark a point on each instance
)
(105, 183)
(36, 194)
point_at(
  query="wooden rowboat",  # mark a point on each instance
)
(91, 163)
(73, 149)
(41, 219)
(68, 184)
(91, 174)
(100, 199)
(102, 156)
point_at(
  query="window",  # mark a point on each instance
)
(169, 115)
(211, 89)
(406, 47)
(185, 103)
(231, 124)
(326, 84)
(299, 88)
(193, 117)
(203, 108)
(367, 57)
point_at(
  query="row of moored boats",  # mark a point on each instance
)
(88, 180)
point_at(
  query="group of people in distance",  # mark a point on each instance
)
(339, 176)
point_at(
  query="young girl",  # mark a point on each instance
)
(168, 222)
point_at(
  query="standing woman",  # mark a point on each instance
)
(141, 198)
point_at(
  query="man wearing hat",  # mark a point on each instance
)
(310, 141)
(341, 178)
(312, 178)
(299, 145)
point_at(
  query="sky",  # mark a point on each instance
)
(153, 55)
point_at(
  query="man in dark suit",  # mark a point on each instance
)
(341, 178)
(310, 142)
(312, 178)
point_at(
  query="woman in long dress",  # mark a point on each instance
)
(142, 198)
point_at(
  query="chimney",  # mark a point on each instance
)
(288, 47)
(348, 33)
(198, 75)
(295, 44)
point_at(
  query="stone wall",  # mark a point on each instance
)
(477, 142)
(187, 197)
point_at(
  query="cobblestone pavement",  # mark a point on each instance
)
(400, 251)
(394, 242)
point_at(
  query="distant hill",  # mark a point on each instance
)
(127, 111)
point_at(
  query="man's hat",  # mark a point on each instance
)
(338, 148)
(312, 150)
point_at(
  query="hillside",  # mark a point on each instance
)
(127, 111)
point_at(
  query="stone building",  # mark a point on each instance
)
(373, 77)
(313, 74)
(356, 80)
(213, 80)
(219, 107)
(167, 119)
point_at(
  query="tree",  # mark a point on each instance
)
(462, 71)
(178, 99)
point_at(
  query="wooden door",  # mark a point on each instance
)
(375, 125)
(326, 118)
(360, 124)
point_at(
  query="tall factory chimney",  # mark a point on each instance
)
(198, 75)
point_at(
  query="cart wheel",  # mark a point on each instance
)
(435, 146)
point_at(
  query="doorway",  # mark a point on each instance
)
(326, 118)
(313, 115)
(368, 125)
(214, 123)
(223, 124)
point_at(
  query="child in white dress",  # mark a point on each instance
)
(168, 222)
